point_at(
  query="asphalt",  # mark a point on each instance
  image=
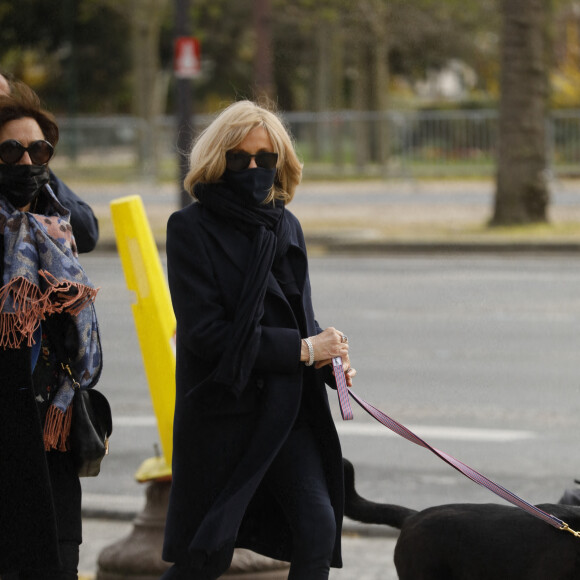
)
(351, 217)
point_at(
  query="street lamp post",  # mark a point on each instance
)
(184, 108)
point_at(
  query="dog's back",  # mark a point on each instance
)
(473, 541)
(483, 541)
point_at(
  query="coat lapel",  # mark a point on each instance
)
(297, 258)
(233, 242)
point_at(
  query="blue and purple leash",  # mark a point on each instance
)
(345, 409)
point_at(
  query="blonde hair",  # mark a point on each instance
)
(207, 160)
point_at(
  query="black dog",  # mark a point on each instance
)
(473, 541)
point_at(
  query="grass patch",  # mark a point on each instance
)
(544, 231)
(470, 232)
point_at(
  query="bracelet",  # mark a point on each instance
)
(310, 352)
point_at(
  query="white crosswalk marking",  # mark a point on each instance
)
(429, 432)
(354, 429)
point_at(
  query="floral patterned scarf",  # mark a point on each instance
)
(42, 277)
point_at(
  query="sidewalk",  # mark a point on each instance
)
(367, 549)
(365, 557)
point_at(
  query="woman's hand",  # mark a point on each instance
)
(326, 345)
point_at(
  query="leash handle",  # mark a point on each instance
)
(342, 389)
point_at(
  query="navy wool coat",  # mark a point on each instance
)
(223, 445)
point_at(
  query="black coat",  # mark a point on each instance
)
(28, 536)
(222, 445)
(82, 219)
(28, 515)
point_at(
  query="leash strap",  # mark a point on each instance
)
(342, 389)
(475, 476)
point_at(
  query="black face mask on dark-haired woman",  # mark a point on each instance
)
(20, 184)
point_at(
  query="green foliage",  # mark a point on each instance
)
(77, 53)
(74, 53)
(421, 34)
(225, 32)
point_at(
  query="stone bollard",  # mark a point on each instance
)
(138, 555)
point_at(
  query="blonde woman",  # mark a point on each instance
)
(257, 461)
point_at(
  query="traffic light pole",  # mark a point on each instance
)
(183, 101)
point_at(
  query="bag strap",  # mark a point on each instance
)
(66, 367)
(56, 341)
(399, 429)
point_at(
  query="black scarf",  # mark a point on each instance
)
(266, 227)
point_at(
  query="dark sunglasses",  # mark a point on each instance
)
(40, 151)
(240, 160)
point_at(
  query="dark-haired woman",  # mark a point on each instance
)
(82, 219)
(47, 321)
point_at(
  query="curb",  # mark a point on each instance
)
(327, 245)
(437, 247)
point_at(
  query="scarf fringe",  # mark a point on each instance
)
(31, 305)
(71, 296)
(11, 335)
(57, 428)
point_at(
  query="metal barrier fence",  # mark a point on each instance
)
(347, 143)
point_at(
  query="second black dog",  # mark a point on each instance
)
(473, 541)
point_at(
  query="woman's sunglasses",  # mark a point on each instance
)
(240, 160)
(40, 151)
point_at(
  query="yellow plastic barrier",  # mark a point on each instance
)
(154, 321)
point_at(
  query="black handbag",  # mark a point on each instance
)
(91, 427)
(91, 421)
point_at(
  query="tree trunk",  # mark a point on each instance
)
(322, 87)
(146, 17)
(381, 79)
(336, 97)
(361, 105)
(263, 66)
(521, 188)
(150, 83)
(374, 20)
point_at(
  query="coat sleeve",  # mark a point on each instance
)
(199, 310)
(279, 350)
(199, 304)
(82, 219)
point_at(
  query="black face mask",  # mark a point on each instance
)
(253, 185)
(20, 184)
